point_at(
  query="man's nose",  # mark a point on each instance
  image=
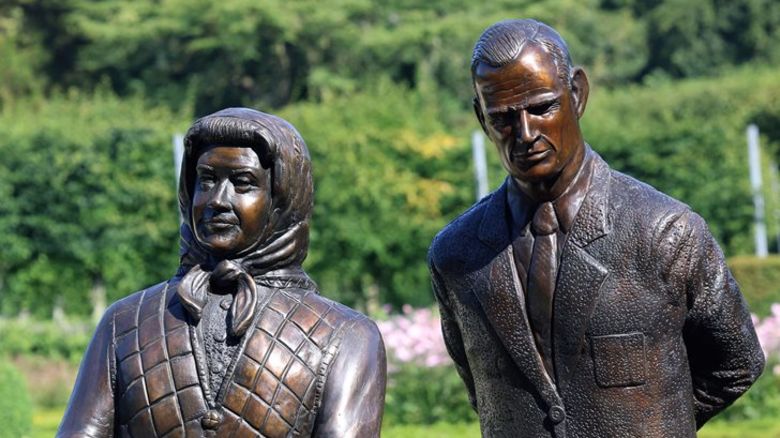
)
(220, 199)
(527, 133)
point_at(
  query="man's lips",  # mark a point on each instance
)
(538, 152)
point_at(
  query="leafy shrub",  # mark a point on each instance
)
(423, 395)
(87, 200)
(423, 386)
(15, 406)
(44, 339)
(687, 138)
(759, 281)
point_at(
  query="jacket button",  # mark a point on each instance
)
(557, 414)
(211, 419)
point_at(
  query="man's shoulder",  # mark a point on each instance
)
(460, 235)
(633, 196)
(651, 216)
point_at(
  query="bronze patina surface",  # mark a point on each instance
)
(575, 300)
(238, 343)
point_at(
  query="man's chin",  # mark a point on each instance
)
(534, 174)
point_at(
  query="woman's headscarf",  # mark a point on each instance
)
(283, 245)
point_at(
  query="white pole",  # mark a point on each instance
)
(480, 163)
(178, 155)
(776, 210)
(755, 183)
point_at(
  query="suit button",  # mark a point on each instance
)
(556, 414)
(211, 419)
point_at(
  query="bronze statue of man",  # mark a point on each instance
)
(575, 300)
(239, 343)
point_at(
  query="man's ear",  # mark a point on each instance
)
(579, 90)
(480, 115)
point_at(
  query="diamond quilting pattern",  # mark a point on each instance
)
(159, 389)
(273, 388)
(283, 358)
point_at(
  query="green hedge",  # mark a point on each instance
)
(44, 339)
(759, 280)
(420, 395)
(15, 406)
(87, 201)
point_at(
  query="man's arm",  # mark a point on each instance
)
(90, 412)
(452, 335)
(353, 398)
(723, 350)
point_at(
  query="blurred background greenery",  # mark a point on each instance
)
(92, 92)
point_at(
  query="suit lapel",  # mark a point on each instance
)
(501, 297)
(580, 276)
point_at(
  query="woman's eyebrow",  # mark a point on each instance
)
(243, 170)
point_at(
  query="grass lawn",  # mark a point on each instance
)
(45, 424)
(764, 428)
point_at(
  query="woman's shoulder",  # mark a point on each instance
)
(128, 312)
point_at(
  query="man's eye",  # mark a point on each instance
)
(499, 121)
(543, 108)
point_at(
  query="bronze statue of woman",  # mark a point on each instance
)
(239, 342)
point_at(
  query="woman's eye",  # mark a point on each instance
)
(206, 182)
(242, 183)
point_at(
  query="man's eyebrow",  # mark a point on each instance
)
(543, 98)
(526, 100)
(204, 167)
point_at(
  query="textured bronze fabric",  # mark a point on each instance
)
(541, 281)
(274, 387)
(651, 334)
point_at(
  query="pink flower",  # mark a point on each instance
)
(415, 337)
(768, 331)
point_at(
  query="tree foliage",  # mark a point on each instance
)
(88, 197)
(91, 93)
(271, 53)
(387, 175)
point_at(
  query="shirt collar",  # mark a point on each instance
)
(522, 207)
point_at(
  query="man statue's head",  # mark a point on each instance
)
(529, 100)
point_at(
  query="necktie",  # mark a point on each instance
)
(541, 281)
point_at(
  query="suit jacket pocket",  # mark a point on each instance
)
(619, 360)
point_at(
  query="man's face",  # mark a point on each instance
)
(230, 206)
(530, 115)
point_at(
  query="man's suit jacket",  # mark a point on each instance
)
(651, 334)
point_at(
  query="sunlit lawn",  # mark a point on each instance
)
(45, 424)
(767, 428)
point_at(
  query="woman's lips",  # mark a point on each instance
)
(220, 224)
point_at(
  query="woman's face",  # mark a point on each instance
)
(231, 201)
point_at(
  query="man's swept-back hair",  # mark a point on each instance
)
(502, 43)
